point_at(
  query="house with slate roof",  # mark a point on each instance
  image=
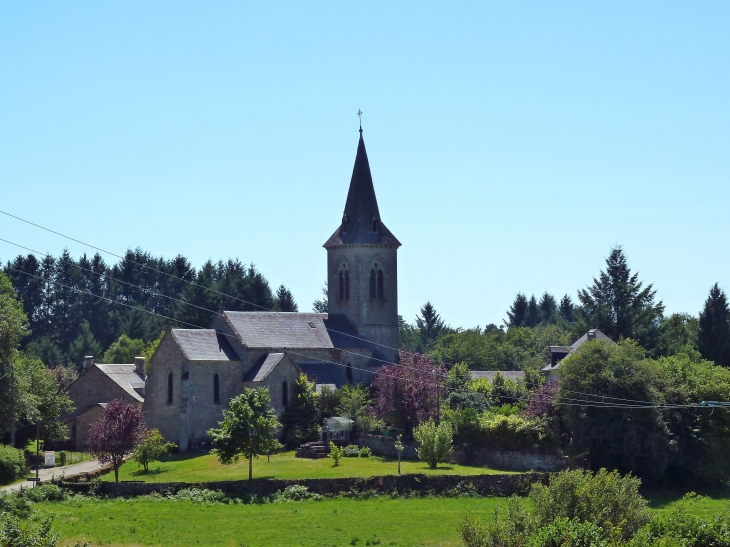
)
(97, 385)
(195, 373)
(558, 353)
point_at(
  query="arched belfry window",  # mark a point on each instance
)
(373, 293)
(216, 389)
(285, 394)
(169, 387)
(343, 283)
(348, 372)
(381, 285)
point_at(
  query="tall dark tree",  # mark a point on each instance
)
(566, 308)
(430, 324)
(619, 305)
(201, 302)
(85, 344)
(548, 307)
(517, 313)
(532, 319)
(713, 339)
(285, 300)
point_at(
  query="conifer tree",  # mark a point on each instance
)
(619, 305)
(565, 309)
(285, 300)
(714, 334)
(532, 319)
(548, 309)
(517, 312)
(430, 324)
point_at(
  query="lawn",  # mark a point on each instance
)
(283, 465)
(382, 521)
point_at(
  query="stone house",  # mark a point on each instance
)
(195, 373)
(558, 353)
(97, 385)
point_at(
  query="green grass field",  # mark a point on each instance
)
(382, 521)
(284, 465)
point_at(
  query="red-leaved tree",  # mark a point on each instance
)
(114, 435)
(408, 393)
(541, 400)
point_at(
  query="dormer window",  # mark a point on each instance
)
(344, 224)
(375, 224)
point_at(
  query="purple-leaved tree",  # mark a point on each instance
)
(541, 399)
(114, 435)
(407, 393)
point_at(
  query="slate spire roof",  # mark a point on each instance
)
(361, 219)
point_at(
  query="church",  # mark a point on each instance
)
(195, 372)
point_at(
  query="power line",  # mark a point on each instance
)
(642, 404)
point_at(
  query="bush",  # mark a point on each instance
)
(607, 499)
(12, 464)
(296, 492)
(512, 432)
(435, 442)
(679, 527)
(15, 534)
(62, 459)
(44, 492)
(351, 451)
(200, 495)
(365, 452)
(577, 509)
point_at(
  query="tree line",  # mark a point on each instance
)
(78, 307)
(616, 302)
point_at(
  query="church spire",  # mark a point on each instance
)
(361, 218)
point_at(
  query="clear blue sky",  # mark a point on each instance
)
(512, 144)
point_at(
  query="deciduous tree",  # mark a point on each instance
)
(248, 428)
(116, 433)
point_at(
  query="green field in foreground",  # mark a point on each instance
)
(283, 465)
(381, 521)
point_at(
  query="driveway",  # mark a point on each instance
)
(48, 474)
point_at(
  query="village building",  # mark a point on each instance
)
(558, 353)
(194, 373)
(97, 385)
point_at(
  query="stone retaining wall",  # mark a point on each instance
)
(486, 485)
(495, 459)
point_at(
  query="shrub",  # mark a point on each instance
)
(13, 504)
(679, 527)
(606, 498)
(351, 451)
(435, 442)
(513, 432)
(365, 452)
(15, 534)
(564, 532)
(296, 492)
(12, 464)
(200, 495)
(62, 459)
(335, 453)
(44, 492)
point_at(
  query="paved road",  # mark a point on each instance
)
(48, 474)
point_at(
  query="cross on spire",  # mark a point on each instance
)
(359, 115)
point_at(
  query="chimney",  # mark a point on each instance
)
(573, 339)
(88, 361)
(139, 366)
(592, 335)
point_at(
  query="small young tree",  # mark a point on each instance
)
(336, 453)
(119, 430)
(399, 448)
(152, 447)
(248, 428)
(435, 442)
(301, 418)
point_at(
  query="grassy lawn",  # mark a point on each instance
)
(284, 465)
(432, 522)
(402, 522)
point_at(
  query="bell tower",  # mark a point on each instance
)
(362, 264)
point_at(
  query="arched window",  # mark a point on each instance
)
(216, 389)
(373, 294)
(285, 394)
(381, 285)
(341, 286)
(347, 284)
(348, 372)
(169, 387)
